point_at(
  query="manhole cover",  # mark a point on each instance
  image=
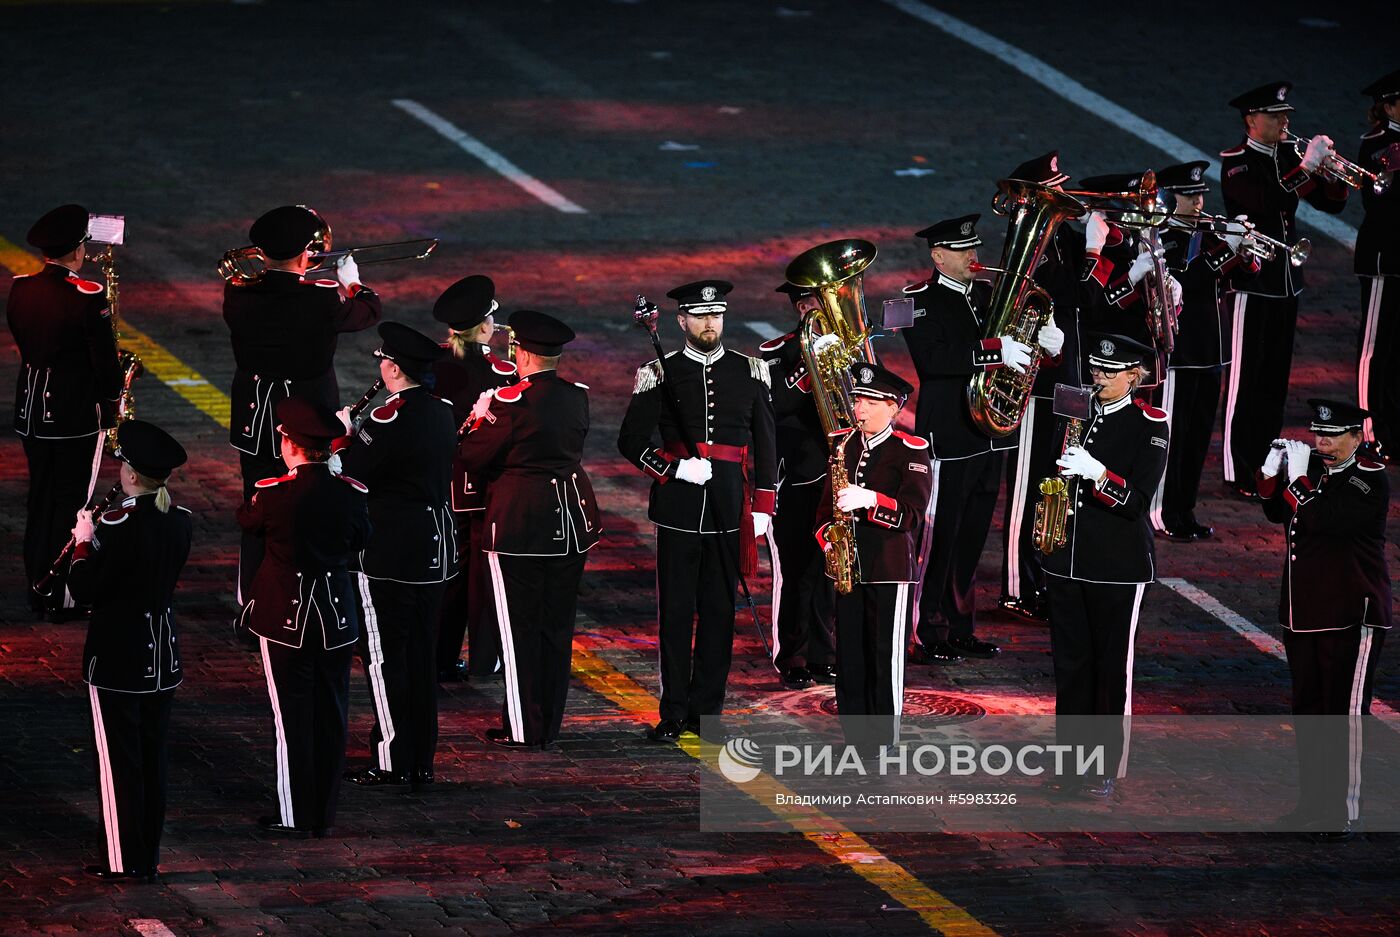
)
(934, 708)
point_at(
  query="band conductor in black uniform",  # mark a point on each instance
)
(1378, 267)
(126, 564)
(67, 388)
(889, 481)
(302, 606)
(1263, 179)
(283, 329)
(1335, 604)
(1099, 577)
(1206, 265)
(403, 452)
(541, 519)
(803, 622)
(467, 307)
(721, 397)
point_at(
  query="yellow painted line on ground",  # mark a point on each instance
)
(847, 847)
(159, 362)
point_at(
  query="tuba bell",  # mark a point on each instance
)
(997, 398)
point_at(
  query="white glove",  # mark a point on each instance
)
(1319, 147)
(1095, 233)
(481, 407)
(1050, 337)
(1077, 461)
(854, 498)
(1140, 268)
(347, 271)
(1274, 461)
(1299, 453)
(695, 471)
(333, 463)
(1174, 288)
(1015, 355)
(761, 523)
(83, 529)
(343, 414)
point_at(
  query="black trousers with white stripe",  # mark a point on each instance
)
(966, 497)
(1032, 459)
(1093, 626)
(62, 474)
(129, 732)
(1378, 360)
(398, 647)
(309, 689)
(804, 629)
(1190, 396)
(1333, 674)
(1261, 345)
(872, 627)
(536, 600)
(695, 593)
(468, 609)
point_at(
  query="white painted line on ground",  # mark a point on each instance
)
(150, 927)
(1252, 632)
(764, 330)
(1095, 103)
(493, 160)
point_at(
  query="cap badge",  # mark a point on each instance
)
(709, 294)
(866, 375)
(1282, 90)
(1195, 173)
(1106, 347)
(1324, 413)
(966, 228)
(1055, 163)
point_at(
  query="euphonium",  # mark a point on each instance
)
(128, 361)
(840, 533)
(997, 398)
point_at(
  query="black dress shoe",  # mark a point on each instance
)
(421, 777)
(1202, 531)
(970, 646)
(275, 825)
(825, 673)
(939, 652)
(797, 678)
(1346, 834)
(502, 737)
(373, 777)
(1101, 789)
(107, 875)
(667, 730)
(1027, 610)
(457, 673)
(1244, 491)
(1177, 533)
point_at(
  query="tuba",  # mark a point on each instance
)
(127, 360)
(997, 399)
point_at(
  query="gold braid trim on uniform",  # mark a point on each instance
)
(648, 376)
(758, 370)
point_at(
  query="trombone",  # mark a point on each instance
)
(1344, 170)
(1138, 208)
(1256, 243)
(247, 264)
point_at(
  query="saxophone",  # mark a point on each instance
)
(127, 360)
(1052, 511)
(840, 559)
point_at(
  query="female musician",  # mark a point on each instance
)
(1097, 580)
(467, 308)
(1378, 267)
(125, 565)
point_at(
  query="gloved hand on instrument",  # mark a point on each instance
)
(1014, 354)
(1077, 461)
(1299, 453)
(83, 529)
(1050, 337)
(1095, 233)
(855, 498)
(347, 272)
(1319, 148)
(1141, 267)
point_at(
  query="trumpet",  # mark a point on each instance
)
(1335, 166)
(510, 342)
(244, 265)
(1138, 208)
(1256, 243)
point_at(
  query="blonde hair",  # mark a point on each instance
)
(158, 486)
(459, 339)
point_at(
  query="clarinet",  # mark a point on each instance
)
(44, 585)
(363, 403)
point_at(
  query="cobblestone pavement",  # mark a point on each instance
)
(710, 139)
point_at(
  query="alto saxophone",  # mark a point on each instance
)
(127, 360)
(1052, 510)
(840, 559)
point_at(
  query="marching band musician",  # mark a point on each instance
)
(403, 453)
(302, 608)
(946, 345)
(541, 519)
(1205, 265)
(720, 397)
(1098, 578)
(1035, 449)
(67, 389)
(804, 629)
(1263, 178)
(126, 564)
(1378, 266)
(283, 329)
(889, 483)
(1335, 602)
(467, 307)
